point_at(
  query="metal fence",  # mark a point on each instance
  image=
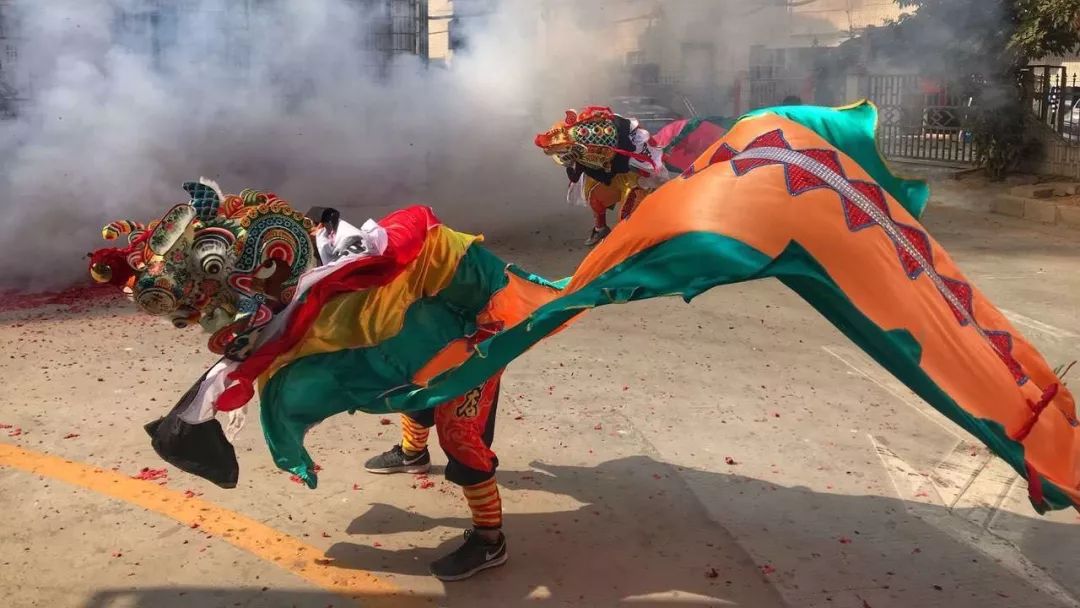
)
(1055, 98)
(921, 119)
(398, 27)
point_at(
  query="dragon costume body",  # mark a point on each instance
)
(609, 160)
(420, 315)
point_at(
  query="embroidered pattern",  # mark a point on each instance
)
(864, 205)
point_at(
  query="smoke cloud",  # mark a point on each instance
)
(282, 97)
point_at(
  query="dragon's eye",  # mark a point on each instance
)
(101, 273)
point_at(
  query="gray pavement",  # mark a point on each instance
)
(642, 451)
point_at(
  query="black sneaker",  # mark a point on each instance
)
(396, 461)
(475, 555)
(598, 234)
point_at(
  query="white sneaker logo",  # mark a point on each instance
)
(490, 556)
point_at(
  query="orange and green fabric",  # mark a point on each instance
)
(799, 194)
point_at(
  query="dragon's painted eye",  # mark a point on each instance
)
(101, 273)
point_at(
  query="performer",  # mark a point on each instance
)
(234, 263)
(408, 315)
(466, 428)
(609, 160)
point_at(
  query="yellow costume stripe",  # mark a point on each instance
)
(485, 504)
(481, 501)
(369, 317)
(414, 438)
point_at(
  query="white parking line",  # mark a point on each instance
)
(1039, 326)
(922, 500)
(895, 388)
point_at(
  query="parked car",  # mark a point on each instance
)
(1070, 112)
(652, 115)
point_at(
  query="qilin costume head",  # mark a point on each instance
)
(589, 138)
(226, 262)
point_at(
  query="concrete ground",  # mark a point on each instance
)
(734, 452)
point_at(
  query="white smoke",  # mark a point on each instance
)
(282, 97)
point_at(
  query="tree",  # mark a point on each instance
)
(982, 45)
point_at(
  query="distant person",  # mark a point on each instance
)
(609, 159)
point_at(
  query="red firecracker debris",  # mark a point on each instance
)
(519, 417)
(71, 436)
(189, 494)
(5, 426)
(76, 299)
(317, 467)
(767, 569)
(15, 432)
(598, 427)
(728, 460)
(296, 479)
(625, 388)
(426, 483)
(356, 486)
(384, 421)
(148, 474)
(376, 544)
(117, 554)
(845, 540)
(194, 525)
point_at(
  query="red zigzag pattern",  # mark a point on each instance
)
(914, 245)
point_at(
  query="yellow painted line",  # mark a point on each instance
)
(258, 539)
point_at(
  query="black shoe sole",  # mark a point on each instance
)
(412, 468)
(484, 566)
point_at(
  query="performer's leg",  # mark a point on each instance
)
(414, 436)
(411, 455)
(632, 201)
(466, 429)
(601, 199)
(600, 211)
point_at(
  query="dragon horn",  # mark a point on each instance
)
(115, 229)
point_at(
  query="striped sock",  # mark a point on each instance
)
(413, 436)
(485, 504)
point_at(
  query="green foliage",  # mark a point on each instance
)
(985, 43)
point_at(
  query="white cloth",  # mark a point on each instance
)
(575, 194)
(336, 244)
(236, 420)
(656, 171)
(201, 408)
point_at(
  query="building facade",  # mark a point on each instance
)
(16, 85)
(152, 29)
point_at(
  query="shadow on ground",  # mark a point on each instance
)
(640, 530)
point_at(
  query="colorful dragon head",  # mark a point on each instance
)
(589, 138)
(226, 262)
